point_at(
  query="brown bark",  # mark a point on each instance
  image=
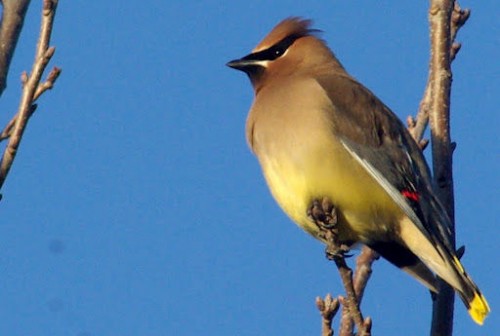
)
(13, 14)
(32, 89)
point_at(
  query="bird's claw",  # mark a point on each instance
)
(323, 213)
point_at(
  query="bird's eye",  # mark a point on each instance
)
(275, 51)
(279, 51)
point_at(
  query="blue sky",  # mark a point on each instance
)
(135, 207)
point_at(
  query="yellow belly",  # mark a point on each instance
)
(364, 208)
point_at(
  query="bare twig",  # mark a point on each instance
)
(351, 302)
(459, 17)
(7, 131)
(445, 20)
(48, 84)
(441, 21)
(327, 307)
(361, 276)
(324, 215)
(32, 88)
(13, 14)
(363, 270)
(417, 125)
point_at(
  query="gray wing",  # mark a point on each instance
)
(380, 142)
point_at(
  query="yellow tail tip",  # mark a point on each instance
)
(479, 308)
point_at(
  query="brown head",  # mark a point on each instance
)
(291, 48)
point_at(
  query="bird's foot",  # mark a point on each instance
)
(334, 250)
(324, 214)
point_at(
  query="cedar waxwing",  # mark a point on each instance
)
(319, 133)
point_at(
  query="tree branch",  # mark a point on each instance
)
(351, 302)
(328, 308)
(13, 14)
(458, 18)
(445, 20)
(440, 16)
(47, 85)
(361, 276)
(32, 88)
(351, 311)
(417, 125)
(324, 215)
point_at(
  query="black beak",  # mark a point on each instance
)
(249, 64)
(241, 64)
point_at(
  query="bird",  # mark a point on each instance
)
(320, 134)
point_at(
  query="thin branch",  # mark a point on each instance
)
(324, 214)
(363, 270)
(417, 125)
(328, 308)
(7, 131)
(445, 20)
(31, 85)
(48, 84)
(458, 18)
(351, 302)
(13, 14)
(440, 18)
(361, 276)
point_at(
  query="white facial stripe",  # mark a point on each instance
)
(263, 63)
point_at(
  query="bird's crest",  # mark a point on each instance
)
(292, 26)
